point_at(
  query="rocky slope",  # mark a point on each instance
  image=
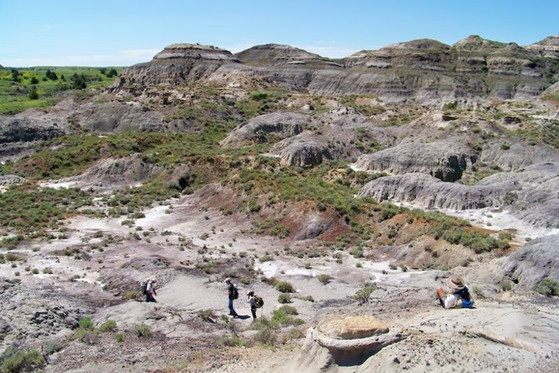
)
(423, 71)
(467, 129)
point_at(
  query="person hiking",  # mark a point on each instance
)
(459, 295)
(232, 294)
(150, 290)
(252, 303)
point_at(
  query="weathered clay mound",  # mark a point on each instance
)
(268, 127)
(533, 262)
(186, 51)
(514, 156)
(548, 47)
(112, 173)
(302, 154)
(177, 64)
(32, 125)
(444, 160)
(276, 54)
(431, 192)
(118, 117)
(533, 197)
(68, 116)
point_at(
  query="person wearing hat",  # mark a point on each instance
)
(231, 292)
(150, 290)
(459, 295)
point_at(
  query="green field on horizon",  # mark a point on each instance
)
(17, 85)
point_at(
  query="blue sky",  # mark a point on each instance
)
(122, 33)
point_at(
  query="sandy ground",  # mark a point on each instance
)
(506, 332)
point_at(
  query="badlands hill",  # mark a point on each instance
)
(342, 191)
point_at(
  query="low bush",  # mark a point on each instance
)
(506, 285)
(206, 315)
(548, 287)
(15, 360)
(50, 348)
(362, 295)
(284, 298)
(86, 323)
(107, 326)
(143, 330)
(324, 279)
(285, 287)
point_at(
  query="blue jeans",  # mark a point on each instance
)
(232, 311)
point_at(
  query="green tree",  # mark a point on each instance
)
(112, 73)
(15, 75)
(34, 80)
(33, 95)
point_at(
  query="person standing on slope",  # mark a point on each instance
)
(232, 294)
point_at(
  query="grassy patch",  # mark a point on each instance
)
(52, 84)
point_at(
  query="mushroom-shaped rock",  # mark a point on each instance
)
(352, 327)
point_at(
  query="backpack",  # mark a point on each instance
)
(467, 300)
(258, 301)
(144, 287)
(235, 292)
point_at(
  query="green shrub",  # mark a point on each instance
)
(15, 360)
(265, 258)
(548, 287)
(86, 323)
(285, 287)
(362, 295)
(288, 310)
(478, 292)
(206, 315)
(143, 330)
(50, 348)
(324, 279)
(284, 298)
(108, 326)
(119, 337)
(506, 285)
(283, 315)
(132, 294)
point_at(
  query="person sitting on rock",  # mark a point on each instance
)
(150, 291)
(459, 295)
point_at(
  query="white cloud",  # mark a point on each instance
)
(119, 58)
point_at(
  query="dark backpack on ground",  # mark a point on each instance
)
(258, 301)
(235, 292)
